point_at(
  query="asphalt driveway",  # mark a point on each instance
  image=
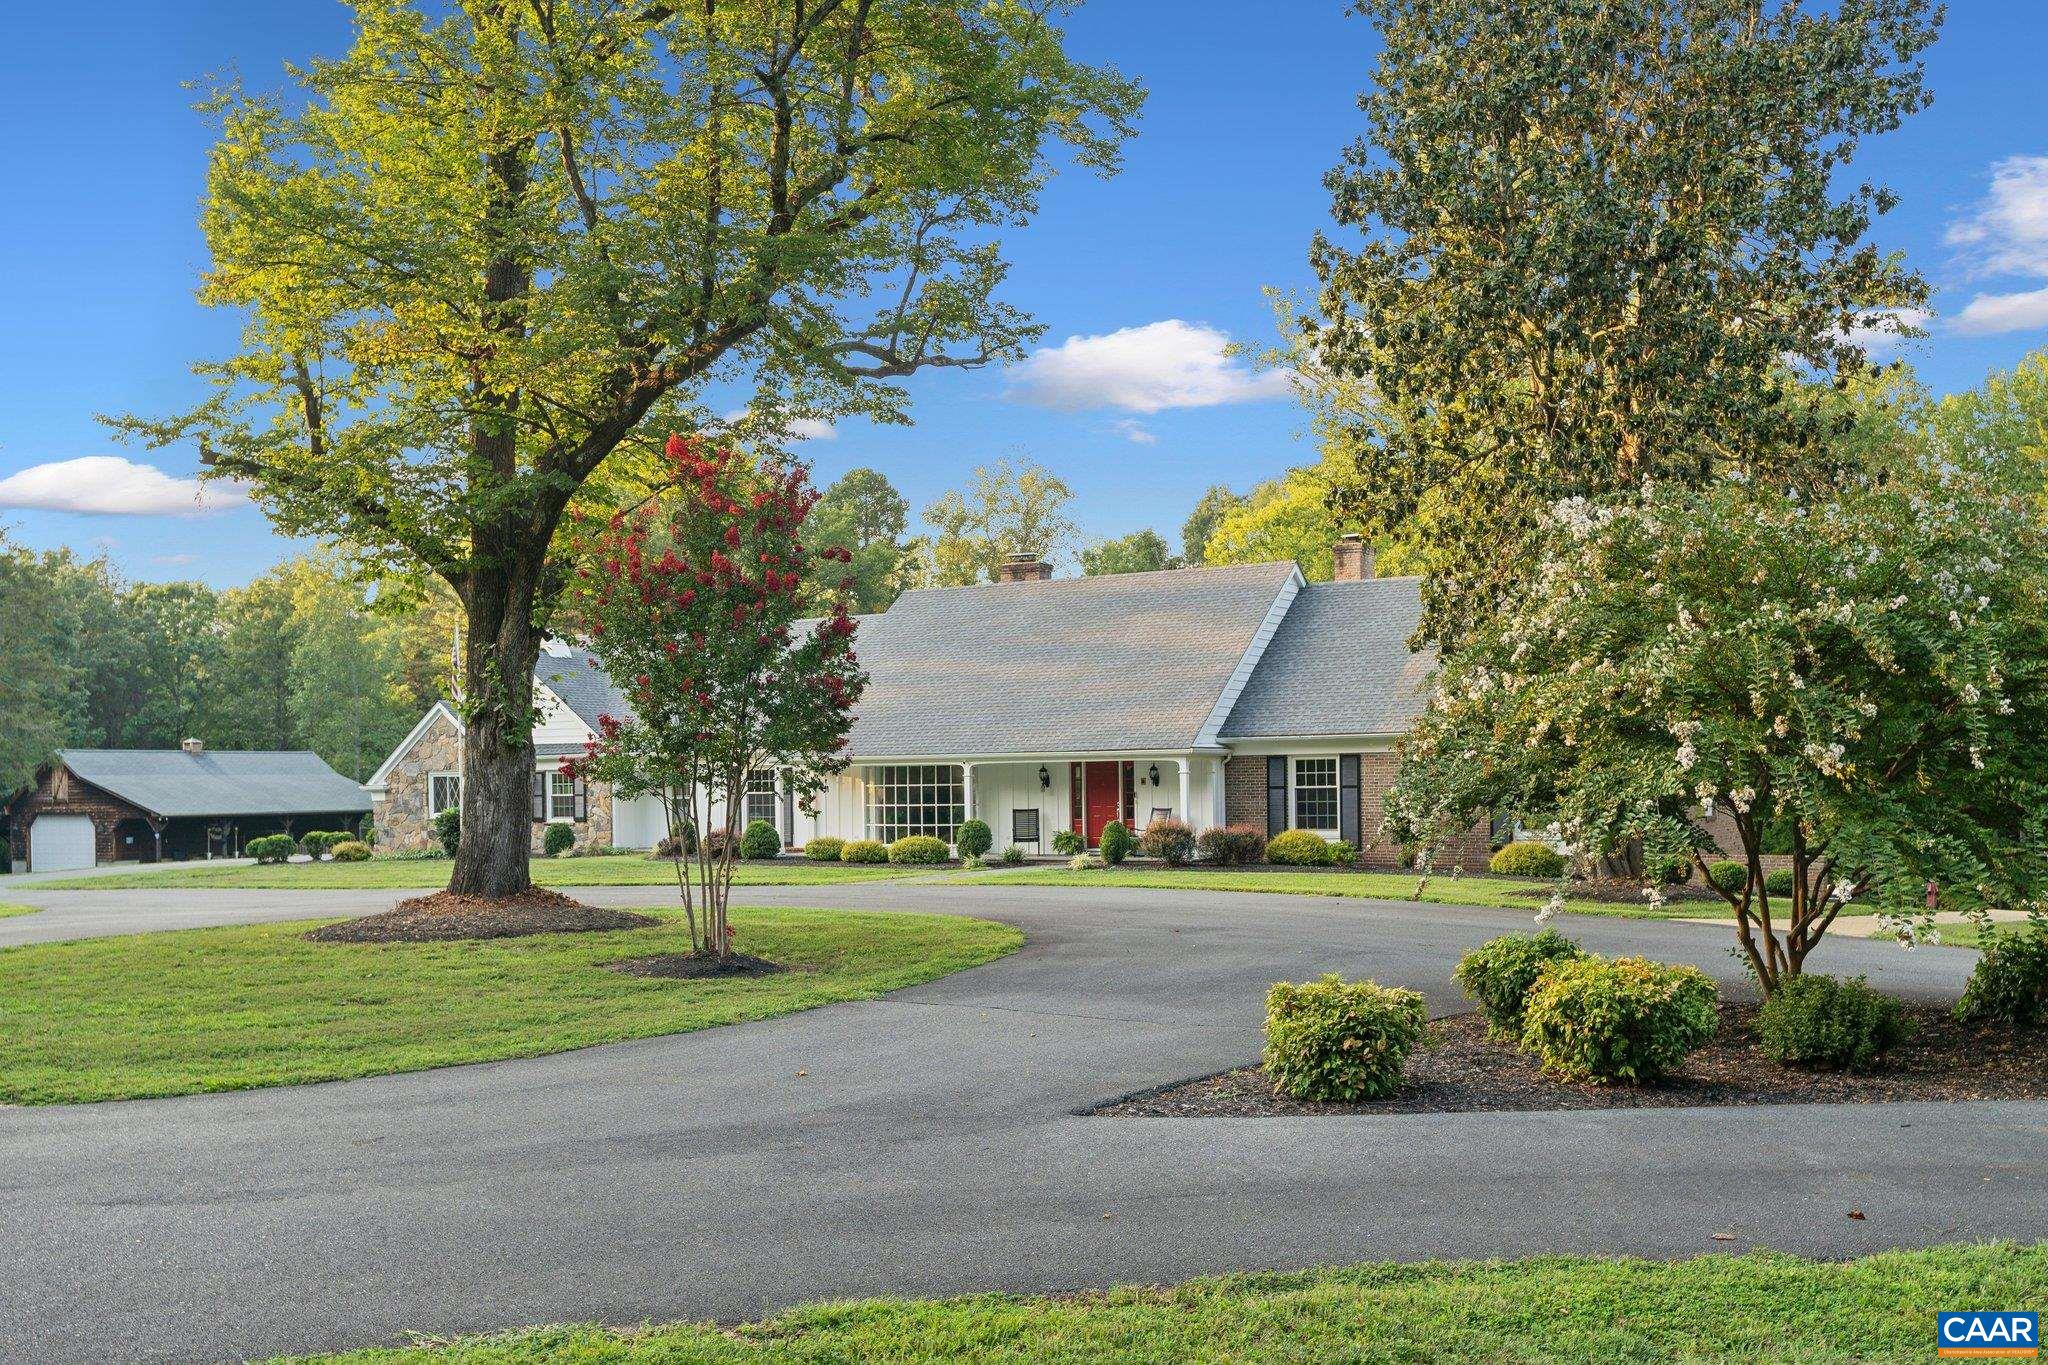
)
(930, 1148)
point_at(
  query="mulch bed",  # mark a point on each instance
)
(1459, 1071)
(697, 966)
(445, 915)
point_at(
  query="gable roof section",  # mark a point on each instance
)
(381, 779)
(573, 675)
(1339, 665)
(1117, 663)
(171, 782)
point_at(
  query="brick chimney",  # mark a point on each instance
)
(1024, 568)
(194, 747)
(1354, 558)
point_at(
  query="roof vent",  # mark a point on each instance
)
(1354, 558)
(1023, 568)
(194, 747)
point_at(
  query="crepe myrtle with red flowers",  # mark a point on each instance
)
(691, 606)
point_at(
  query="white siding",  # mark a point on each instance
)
(557, 724)
(1001, 789)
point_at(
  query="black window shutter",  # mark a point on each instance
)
(1347, 799)
(540, 795)
(582, 799)
(1276, 794)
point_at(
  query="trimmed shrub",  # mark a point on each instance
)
(922, 849)
(1170, 841)
(824, 849)
(1727, 877)
(1117, 843)
(760, 842)
(448, 829)
(1013, 856)
(1298, 848)
(1231, 845)
(1828, 1025)
(1527, 858)
(271, 848)
(557, 839)
(721, 844)
(864, 851)
(1343, 853)
(1067, 843)
(1779, 883)
(2010, 985)
(350, 851)
(318, 843)
(1614, 1020)
(973, 839)
(1340, 1040)
(1500, 972)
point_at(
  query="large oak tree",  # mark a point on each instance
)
(488, 253)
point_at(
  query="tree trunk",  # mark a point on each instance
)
(497, 742)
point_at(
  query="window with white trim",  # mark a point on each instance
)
(561, 796)
(915, 798)
(1315, 795)
(760, 796)
(444, 792)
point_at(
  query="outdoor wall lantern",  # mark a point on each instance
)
(1044, 777)
(1153, 773)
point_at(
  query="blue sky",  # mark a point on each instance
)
(1222, 190)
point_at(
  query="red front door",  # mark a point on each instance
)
(1104, 800)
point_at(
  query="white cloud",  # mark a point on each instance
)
(2007, 234)
(1170, 364)
(1135, 432)
(1988, 313)
(798, 428)
(1879, 333)
(108, 485)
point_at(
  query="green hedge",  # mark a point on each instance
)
(1829, 1025)
(1066, 843)
(1338, 1040)
(557, 839)
(760, 842)
(271, 848)
(1170, 841)
(1117, 843)
(1727, 877)
(1500, 972)
(1527, 858)
(824, 849)
(1231, 845)
(864, 851)
(1618, 1020)
(973, 839)
(921, 849)
(1298, 848)
(350, 851)
(2010, 985)
(448, 829)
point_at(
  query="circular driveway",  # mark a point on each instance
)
(930, 1147)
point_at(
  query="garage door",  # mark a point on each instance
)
(58, 843)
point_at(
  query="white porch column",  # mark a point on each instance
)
(1219, 804)
(1187, 812)
(967, 786)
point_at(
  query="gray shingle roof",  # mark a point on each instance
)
(1339, 665)
(585, 690)
(1120, 663)
(171, 782)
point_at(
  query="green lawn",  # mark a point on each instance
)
(8, 911)
(620, 869)
(229, 1009)
(1716, 1308)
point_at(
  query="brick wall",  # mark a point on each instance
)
(1244, 791)
(1244, 803)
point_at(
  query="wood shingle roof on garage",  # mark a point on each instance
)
(173, 783)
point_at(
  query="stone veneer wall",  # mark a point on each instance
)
(402, 819)
(594, 832)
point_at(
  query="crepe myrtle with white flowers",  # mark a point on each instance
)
(1861, 674)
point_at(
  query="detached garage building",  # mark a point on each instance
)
(147, 805)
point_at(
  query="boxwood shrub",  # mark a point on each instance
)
(919, 848)
(448, 829)
(760, 842)
(1727, 876)
(318, 843)
(271, 848)
(1617, 1020)
(1825, 1024)
(1779, 883)
(350, 851)
(1499, 973)
(1170, 841)
(973, 839)
(1340, 1040)
(864, 851)
(1116, 843)
(557, 839)
(2010, 985)
(824, 849)
(1231, 845)
(1526, 858)
(1298, 848)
